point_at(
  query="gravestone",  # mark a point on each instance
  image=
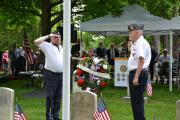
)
(75, 87)
(6, 103)
(83, 105)
(178, 110)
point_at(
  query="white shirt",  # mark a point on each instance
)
(163, 59)
(140, 48)
(53, 56)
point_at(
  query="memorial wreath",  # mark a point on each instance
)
(92, 74)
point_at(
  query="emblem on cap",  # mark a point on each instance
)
(135, 27)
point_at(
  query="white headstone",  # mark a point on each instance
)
(178, 110)
(6, 103)
(83, 105)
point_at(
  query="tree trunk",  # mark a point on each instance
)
(46, 17)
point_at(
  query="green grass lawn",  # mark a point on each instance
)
(162, 103)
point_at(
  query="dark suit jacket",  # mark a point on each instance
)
(101, 52)
(111, 61)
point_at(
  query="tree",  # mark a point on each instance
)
(162, 8)
(50, 12)
(90, 9)
(21, 10)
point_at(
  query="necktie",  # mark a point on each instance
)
(112, 53)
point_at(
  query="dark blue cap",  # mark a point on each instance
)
(135, 27)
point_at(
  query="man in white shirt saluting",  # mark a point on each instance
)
(53, 72)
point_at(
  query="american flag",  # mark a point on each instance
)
(18, 114)
(101, 112)
(28, 50)
(149, 88)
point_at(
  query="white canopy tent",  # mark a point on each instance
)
(109, 25)
(175, 24)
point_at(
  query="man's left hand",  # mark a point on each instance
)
(135, 82)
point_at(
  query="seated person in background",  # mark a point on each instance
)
(163, 63)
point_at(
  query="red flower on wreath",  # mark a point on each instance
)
(79, 72)
(80, 82)
(103, 84)
(84, 59)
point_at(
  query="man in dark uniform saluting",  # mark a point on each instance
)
(138, 65)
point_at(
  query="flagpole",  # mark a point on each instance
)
(66, 59)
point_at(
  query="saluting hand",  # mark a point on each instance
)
(55, 35)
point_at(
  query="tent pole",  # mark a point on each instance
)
(170, 65)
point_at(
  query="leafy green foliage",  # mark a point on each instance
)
(15, 17)
(87, 40)
(162, 8)
(98, 8)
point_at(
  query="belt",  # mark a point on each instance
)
(132, 71)
(55, 73)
